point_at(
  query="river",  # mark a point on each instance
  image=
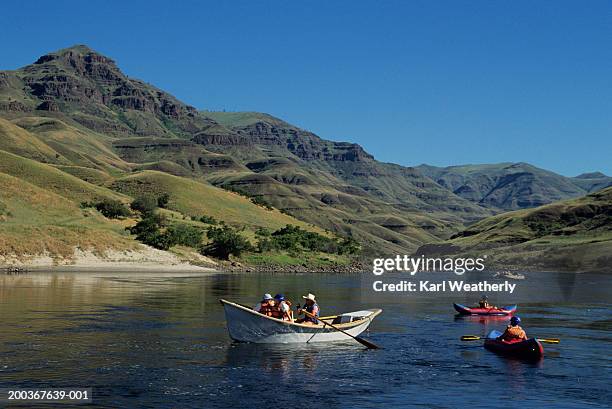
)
(160, 341)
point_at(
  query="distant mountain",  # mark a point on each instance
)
(591, 175)
(571, 235)
(511, 186)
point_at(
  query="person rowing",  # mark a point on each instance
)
(513, 332)
(312, 308)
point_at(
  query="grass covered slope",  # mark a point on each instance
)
(572, 235)
(35, 221)
(77, 146)
(17, 140)
(54, 180)
(195, 199)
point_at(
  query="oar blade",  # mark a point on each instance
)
(550, 340)
(366, 343)
(470, 338)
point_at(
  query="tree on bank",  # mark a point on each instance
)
(225, 241)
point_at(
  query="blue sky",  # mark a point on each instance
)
(440, 82)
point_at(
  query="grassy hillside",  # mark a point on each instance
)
(54, 180)
(194, 198)
(36, 221)
(572, 235)
(17, 140)
(76, 146)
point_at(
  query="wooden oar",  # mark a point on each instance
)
(362, 341)
(476, 338)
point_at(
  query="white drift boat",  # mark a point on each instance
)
(247, 325)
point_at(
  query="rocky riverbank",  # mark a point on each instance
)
(355, 267)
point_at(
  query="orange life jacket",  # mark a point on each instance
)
(514, 334)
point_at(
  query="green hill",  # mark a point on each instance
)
(36, 221)
(571, 235)
(193, 198)
(54, 180)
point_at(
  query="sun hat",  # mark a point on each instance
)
(310, 297)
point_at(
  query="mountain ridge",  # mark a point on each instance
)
(102, 125)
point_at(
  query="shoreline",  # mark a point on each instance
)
(143, 259)
(185, 267)
(110, 268)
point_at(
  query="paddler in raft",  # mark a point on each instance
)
(312, 308)
(484, 303)
(513, 332)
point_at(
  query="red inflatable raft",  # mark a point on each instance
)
(463, 310)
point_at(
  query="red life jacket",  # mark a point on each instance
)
(266, 309)
(275, 312)
(271, 311)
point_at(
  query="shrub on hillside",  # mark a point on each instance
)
(349, 245)
(262, 232)
(225, 241)
(208, 220)
(113, 209)
(149, 231)
(294, 239)
(264, 244)
(149, 224)
(185, 235)
(260, 201)
(144, 204)
(163, 200)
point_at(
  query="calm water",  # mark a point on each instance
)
(159, 341)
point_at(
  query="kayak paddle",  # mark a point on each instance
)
(362, 341)
(476, 338)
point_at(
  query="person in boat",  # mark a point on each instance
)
(264, 303)
(270, 308)
(513, 332)
(284, 306)
(484, 302)
(312, 308)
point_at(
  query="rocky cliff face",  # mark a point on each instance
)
(91, 89)
(303, 144)
(80, 75)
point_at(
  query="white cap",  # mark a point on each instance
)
(267, 296)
